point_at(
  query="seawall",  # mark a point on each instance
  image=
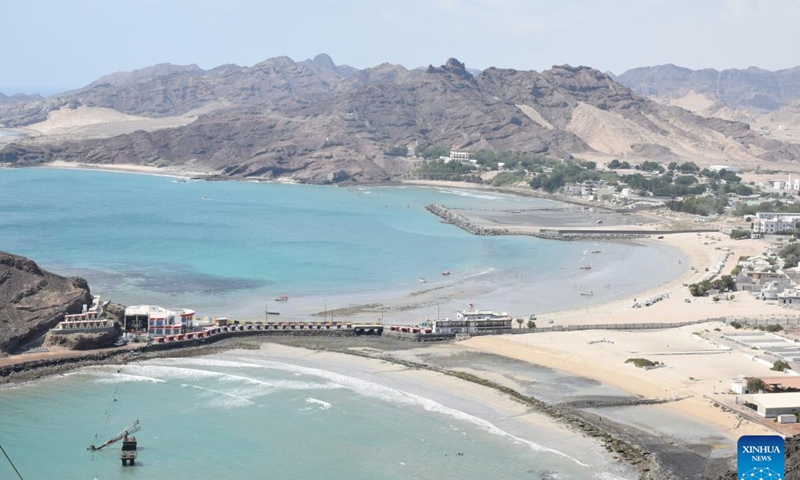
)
(468, 225)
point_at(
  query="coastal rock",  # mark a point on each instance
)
(83, 341)
(33, 300)
(338, 176)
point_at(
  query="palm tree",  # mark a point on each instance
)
(520, 322)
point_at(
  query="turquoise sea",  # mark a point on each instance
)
(223, 247)
(230, 248)
(239, 415)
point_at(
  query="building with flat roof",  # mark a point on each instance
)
(158, 320)
(770, 405)
(475, 322)
(772, 222)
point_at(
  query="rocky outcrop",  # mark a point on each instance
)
(83, 340)
(33, 300)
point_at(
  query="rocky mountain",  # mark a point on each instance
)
(33, 300)
(18, 98)
(317, 122)
(750, 88)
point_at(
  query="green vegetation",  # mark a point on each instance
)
(736, 271)
(703, 206)
(439, 170)
(520, 321)
(531, 324)
(433, 152)
(790, 255)
(780, 366)
(397, 151)
(513, 160)
(722, 284)
(648, 166)
(572, 171)
(739, 234)
(736, 325)
(743, 209)
(616, 164)
(643, 362)
(755, 385)
(508, 178)
(771, 328)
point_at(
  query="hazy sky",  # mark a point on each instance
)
(53, 45)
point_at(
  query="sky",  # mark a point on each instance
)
(57, 45)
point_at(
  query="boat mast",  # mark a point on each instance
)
(12, 463)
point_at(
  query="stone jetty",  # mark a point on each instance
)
(468, 225)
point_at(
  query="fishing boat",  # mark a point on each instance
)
(281, 298)
(586, 267)
(446, 272)
(422, 280)
(590, 293)
(595, 251)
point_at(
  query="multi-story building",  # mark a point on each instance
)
(476, 321)
(158, 320)
(771, 222)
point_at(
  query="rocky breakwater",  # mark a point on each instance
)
(463, 222)
(32, 300)
(468, 225)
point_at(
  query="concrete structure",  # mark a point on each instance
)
(158, 320)
(770, 405)
(771, 222)
(472, 322)
(789, 298)
(770, 291)
(788, 418)
(774, 345)
(456, 156)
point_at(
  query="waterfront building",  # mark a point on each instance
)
(158, 320)
(475, 322)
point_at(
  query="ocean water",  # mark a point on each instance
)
(243, 417)
(222, 247)
(230, 248)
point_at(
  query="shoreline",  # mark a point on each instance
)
(377, 352)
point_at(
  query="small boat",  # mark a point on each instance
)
(586, 267)
(595, 251)
(205, 198)
(446, 272)
(588, 294)
(422, 280)
(281, 298)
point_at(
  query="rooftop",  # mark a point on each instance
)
(775, 400)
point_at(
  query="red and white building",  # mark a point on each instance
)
(158, 321)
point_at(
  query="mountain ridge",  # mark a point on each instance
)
(320, 123)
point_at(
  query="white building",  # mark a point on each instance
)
(159, 321)
(789, 297)
(456, 156)
(476, 321)
(727, 168)
(770, 222)
(770, 405)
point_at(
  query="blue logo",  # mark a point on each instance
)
(760, 457)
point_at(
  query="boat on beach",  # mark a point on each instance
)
(281, 298)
